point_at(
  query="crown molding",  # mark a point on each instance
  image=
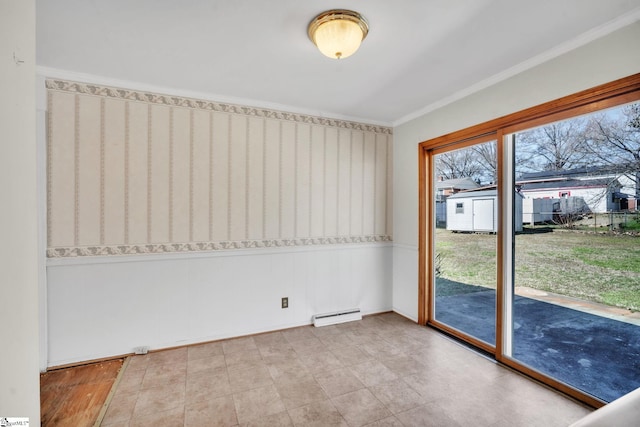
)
(583, 39)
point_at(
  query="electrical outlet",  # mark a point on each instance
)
(285, 302)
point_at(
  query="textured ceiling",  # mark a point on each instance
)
(419, 53)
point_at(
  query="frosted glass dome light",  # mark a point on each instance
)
(338, 33)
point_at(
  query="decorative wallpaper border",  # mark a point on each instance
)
(132, 95)
(159, 248)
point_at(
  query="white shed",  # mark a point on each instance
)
(478, 211)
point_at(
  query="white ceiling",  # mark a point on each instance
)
(419, 53)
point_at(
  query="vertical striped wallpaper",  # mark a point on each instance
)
(133, 172)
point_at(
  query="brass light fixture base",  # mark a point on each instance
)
(345, 20)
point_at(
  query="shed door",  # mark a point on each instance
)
(483, 215)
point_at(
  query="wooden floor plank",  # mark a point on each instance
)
(75, 396)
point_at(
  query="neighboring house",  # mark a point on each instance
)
(589, 189)
(477, 211)
(446, 188)
(600, 195)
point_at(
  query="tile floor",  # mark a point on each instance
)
(381, 371)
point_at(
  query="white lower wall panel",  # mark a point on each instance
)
(103, 307)
(405, 281)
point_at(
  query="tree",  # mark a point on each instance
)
(614, 141)
(558, 146)
(487, 157)
(458, 164)
(478, 162)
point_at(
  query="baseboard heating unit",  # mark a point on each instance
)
(337, 317)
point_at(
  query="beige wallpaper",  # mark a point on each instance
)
(133, 172)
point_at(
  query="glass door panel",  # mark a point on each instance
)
(576, 265)
(466, 220)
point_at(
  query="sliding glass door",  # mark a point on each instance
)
(465, 226)
(576, 264)
(529, 240)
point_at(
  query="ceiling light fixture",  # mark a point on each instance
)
(338, 33)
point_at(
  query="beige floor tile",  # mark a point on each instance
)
(338, 382)
(293, 376)
(203, 351)
(336, 341)
(441, 352)
(360, 407)
(480, 368)
(299, 392)
(387, 422)
(167, 369)
(350, 326)
(430, 387)
(246, 379)
(120, 408)
(126, 423)
(172, 417)
(159, 399)
(207, 385)
(376, 322)
(139, 361)
(257, 403)
(271, 339)
(511, 386)
(298, 334)
(368, 370)
(292, 368)
(278, 354)
(174, 380)
(317, 414)
(308, 346)
(428, 414)
(217, 412)
(386, 327)
(388, 333)
(131, 381)
(516, 419)
(474, 402)
(250, 358)
(164, 357)
(158, 375)
(238, 345)
(397, 396)
(206, 363)
(563, 410)
(350, 354)
(381, 349)
(407, 343)
(320, 362)
(325, 331)
(404, 365)
(372, 373)
(543, 408)
(445, 382)
(281, 419)
(361, 337)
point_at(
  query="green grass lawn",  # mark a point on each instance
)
(602, 268)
